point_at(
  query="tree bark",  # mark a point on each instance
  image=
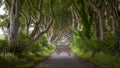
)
(97, 30)
(15, 11)
(100, 14)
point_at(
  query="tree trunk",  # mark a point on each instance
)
(101, 21)
(97, 30)
(114, 25)
(14, 22)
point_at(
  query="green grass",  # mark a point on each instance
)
(5, 64)
(23, 63)
(101, 59)
(12, 61)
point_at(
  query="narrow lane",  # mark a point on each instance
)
(64, 58)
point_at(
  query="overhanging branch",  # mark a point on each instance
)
(43, 32)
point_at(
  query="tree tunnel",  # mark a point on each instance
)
(32, 29)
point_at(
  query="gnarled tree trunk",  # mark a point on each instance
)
(15, 11)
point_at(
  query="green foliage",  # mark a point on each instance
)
(25, 41)
(29, 55)
(100, 59)
(94, 44)
(3, 44)
(4, 21)
(28, 48)
(86, 16)
(41, 47)
(60, 5)
(110, 43)
(103, 53)
(11, 57)
(12, 61)
(5, 64)
(31, 51)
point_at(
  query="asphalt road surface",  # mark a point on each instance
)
(63, 57)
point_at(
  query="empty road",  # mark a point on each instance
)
(64, 58)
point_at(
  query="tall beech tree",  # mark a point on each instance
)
(15, 10)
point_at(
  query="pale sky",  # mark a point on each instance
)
(1, 32)
(2, 12)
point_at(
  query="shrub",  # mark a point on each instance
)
(41, 47)
(110, 43)
(3, 46)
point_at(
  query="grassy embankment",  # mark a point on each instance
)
(101, 59)
(12, 61)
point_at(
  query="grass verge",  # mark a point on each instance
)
(11, 61)
(101, 59)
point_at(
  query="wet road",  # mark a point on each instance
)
(64, 58)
